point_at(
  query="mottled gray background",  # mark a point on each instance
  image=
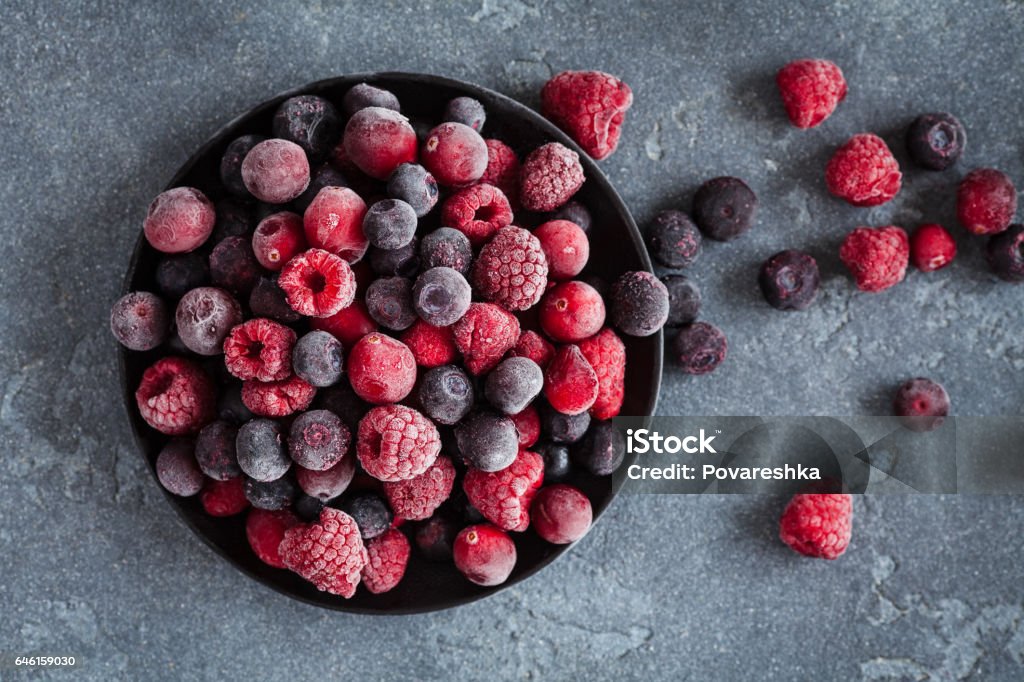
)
(100, 105)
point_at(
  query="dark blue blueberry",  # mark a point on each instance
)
(262, 453)
(562, 428)
(343, 401)
(446, 394)
(575, 212)
(230, 407)
(411, 183)
(513, 384)
(310, 122)
(673, 239)
(389, 224)
(371, 514)
(639, 303)
(602, 450)
(724, 208)
(556, 462)
(324, 176)
(389, 302)
(272, 495)
(234, 219)
(684, 300)
(177, 275)
(215, 451)
(308, 508)
(434, 538)
(789, 280)
(269, 300)
(318, 439)
(441, 296)
(231, 164)
(446, 247)
(467, 111)
(403, 262)
(700, 347)
(1005, 252)
(317, 359)
(936, 141)
(487, 440)
(233, 266)
(364, 95)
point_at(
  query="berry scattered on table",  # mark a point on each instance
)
(724, 208)
(673, 239)
(1005, 253)
(818, 525)
(986, 201)
(811, 90)
(639, 303)
(931, 247)
(863, 171)
(789, 280)
(590, 106)
(936, 141)
(876, 257)
(684, 300)
(922, 404)
(699, 348)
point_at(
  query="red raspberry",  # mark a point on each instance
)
(348, 325)
(431, 346)
(478, 212)
(607, 355)
(561, 514)
(179, 220)
(511, 269)
(527, 426)
(986, 201)
(566, 247)
(570, 383)
(931, 248)
(379, 140)
(504, 497)
(550, 176)
(454, 154)
(484, 554)
(387, 555)
(277, 398)
(278, 237)
(329, 554)
(317, 283)
(572, 311)
(259, 349)
(417, 498)
(877, 257)
(334, 222)
(589, 105)
(381, 369)
(818, 525)
(534, 346)
(863, 171)
(224, 498)
(484, 334)
(811, 90)
(502, 170)
(265, 530)
(396, 443)
(175, 396)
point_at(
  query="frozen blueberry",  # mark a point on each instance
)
(434, 538)
(233, 265)
(556, 462)
(389, 302)
(230, 407)
(467, 111)
(308, 508)
(575, 212)
(921, 404)
(364, 95)
(700, 347)
(204, 318)
(389, 224)
(310, 122)
(403, 262)
(231, 164)
(789, 280)
(673, 239)
(639, 303)
(1005, 252)
(487, 440)
(317, 359)
(271, 495)
(139, 320)
(441, 296)
(371, 514)
(215, 451)
(563, 428)
(602, 450)
(235, 218)
(446, 394)
(177, 469)
(176, 275)
(724, 208)
(446, 247)
(318, 440)
(262, 454)
(269, 300)
(414, 185)
(324, 176)
(936, 141)
(683, 300)
(513, 384)
(343, 401)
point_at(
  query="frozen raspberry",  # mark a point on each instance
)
(334, 222)
(175, 396)
(431, 346)
(724, 208)
(179, 220)
(684, 300)
(561, 514)
(139, 320)
(817, 525)
(278, 237)
(276, 171)
(570, 382)
(607, 355)
(527, 424)
(639, 303)
(504, 497)
(534, 346)
(412, 184)
(484, 334)
(381, 369)
(877, 257)
(348, 325)
(231, 164)
(931, 248)
(789, 280)
(863, 171)
(310, 122)
(700, 348)
(986, 201)
(589, 105)
(673, 239)
(467, 111)
(177, 469)
(571, 311)
(387, 557)
(329, 554)
(550, 176)
(446, 247)
(513, 384)
(484, 554)
(417, 498)
(811, 89)
(396, 443)
(936, 141)
(446, 394)
(455, 154)
(1005, 253)
(378, 140)
(502, 170)
(364, 95)
(329, 484)
(259, 349)
(511, 269)
(265, 530)
(318, 283)
(565, 246)
(478, 212)
(922, 404)
(224, 498)
(277, 398)
(487, 441)
(204, 318)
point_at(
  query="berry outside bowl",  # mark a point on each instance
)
(616, 246)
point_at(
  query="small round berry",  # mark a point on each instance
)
(817, 525)
(556, 462)
(527, 421)
(310, 122)
(276, 171)
(401, 262)
(565, 246)
(265, 530)
(550, 176)
(334, 222)
(602, 450)
(639, 303)
(575, 212)
(261, 450)
(446, 247)
(277, 398)
(412, 184)
(511, 269)
(230, 407)
(179, 220)
(921, 404)
(233, 266)
(370, 513)
(317, 359)
(139, 320)
(328, 484)
(478, 212)
(876, 257)
(435, 537)
(259, 349)
(455, 154)
(278, 237)
(348, 325)
(389, 302)
(231, 164)
(467, 111)
(269, 300)
(789, 280)
(224, 498)
(270, 495)
(673, 239)
(235, 218)
(446, 394)
(513, 384)
(936, 141)
(571, 311)
(389, 224)
(724, 208)
(381, 369)
(176, 275)
(487, 440)
(318, 283)
(306, 507)
(485, 554)
(324, 176)
(561, 514)
(1005, 252)
(215, 451)
(684, 300)
(204, 318)
(563, 428)
(986, 201)
(441, 296)
(318, 439)
(931, 247)
(378, 140)
(363, 95)
(175, 396)
(863, 172)
(431, 346)
(177, 470)
(700, 347)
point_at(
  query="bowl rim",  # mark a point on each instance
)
(514, 107)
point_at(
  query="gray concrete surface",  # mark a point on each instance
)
(99, 106)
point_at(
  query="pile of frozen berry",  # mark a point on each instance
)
(355, 379)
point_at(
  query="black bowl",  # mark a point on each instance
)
(616, 246)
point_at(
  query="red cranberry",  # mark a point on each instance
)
(455, 154)
(179, 220)
(378, 140)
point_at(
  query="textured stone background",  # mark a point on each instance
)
(100, 106)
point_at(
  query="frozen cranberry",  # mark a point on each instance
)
(381, 369)
(565, 246)
(986, 201)
(455, 154)
(561, 514)
(348, 325)
(179, 220)
(276, 171)
(485, 554)
(931, 247)
(334, 222)
(571, 311)
(378, 140)
(278, 237)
